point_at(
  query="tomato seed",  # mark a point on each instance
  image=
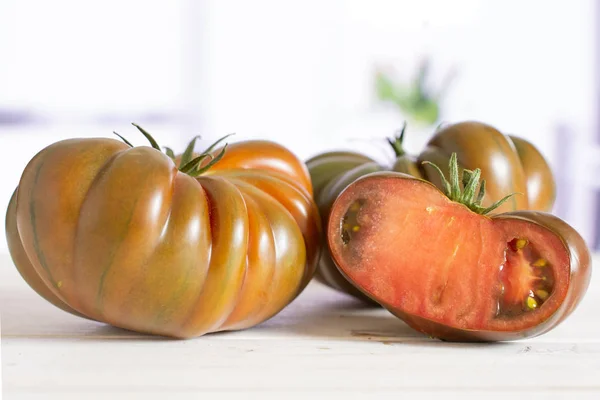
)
(542, 294)
(540, 262)
(520, 243)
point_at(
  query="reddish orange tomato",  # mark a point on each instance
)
(127, 236)
(439, 262)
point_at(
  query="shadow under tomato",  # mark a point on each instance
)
(321, 312)
(318, 313)
(324, 313)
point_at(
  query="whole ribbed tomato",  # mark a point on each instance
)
(331, 172)
(171, 246)
(508, 164)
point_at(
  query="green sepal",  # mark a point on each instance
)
(470, 182)
(498, 203)
(190, 167)
(466, 176)
(148, 136)
(454, 185)
(481, 193)
(212, 146)
(470, 188)
(212, 162)
(193, 164)
(169, 152)
(445, 183)
(123, 139)
(189, 151)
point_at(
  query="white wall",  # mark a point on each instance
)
(299, 72)
(71, 59)
(85, 69)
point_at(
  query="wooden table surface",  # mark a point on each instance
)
(324, 345)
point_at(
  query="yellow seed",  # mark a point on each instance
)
(540, 262)
(542, 294)
(354, 207)
(59, 284)
(521, 243)
(355, 228)
(346, 226)
(531, 303)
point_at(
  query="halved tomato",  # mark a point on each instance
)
(437, 261)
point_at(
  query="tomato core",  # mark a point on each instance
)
(526, 279)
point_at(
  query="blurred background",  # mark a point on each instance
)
(312, 75)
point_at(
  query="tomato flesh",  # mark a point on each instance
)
(410, 248)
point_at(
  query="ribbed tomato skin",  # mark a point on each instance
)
(119, 235)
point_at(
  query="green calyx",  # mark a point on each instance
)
(468, 194)
(396, 142)
(187, 165)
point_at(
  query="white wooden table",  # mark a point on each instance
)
(323, 345)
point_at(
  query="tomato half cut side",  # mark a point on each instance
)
(451, 272)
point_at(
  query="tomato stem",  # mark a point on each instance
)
(470, 181)
(396, 142)
(187, 165)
